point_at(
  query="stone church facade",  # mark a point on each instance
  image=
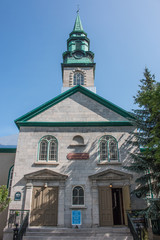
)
(71, 151)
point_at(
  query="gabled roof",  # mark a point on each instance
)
(22, 121)
(45, 174)
(110, 174)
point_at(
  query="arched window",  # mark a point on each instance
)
(78, 140)
(78, 196)
(48, 149)
(78, 79)
(10, 177)
(78, 45)
(108, 148)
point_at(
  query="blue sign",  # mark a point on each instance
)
(17, 196)
(76, 217)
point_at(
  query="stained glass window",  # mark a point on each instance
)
(108, 148)
(48, 149)
(78, 79)
(78, 196)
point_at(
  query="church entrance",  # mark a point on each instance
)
(44, 206)
(111, 206)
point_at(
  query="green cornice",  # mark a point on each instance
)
(74, 124)
(68, 93)
(7, 150)
(78, 64)
(78, 38)
(75, 32)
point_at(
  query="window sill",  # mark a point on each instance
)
(77, 145)
(46, 163)
(109, 163)
(78, 207)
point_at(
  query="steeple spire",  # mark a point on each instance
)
(78, 24)
(78, 65)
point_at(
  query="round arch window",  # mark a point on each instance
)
(78, 196)
(78, 79)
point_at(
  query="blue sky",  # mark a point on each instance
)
(124, 35)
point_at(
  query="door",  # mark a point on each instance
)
(126, 202)
(117, 206)
(105, 206)
(44, 206)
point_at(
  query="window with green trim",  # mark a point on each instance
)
(108, 149)
(78, 79)
(10, 177)
(78, 196)
(48, 149)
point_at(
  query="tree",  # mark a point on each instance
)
(146, 161)
(4, 199)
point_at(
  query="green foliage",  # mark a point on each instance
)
(147, 161)
(4, 200)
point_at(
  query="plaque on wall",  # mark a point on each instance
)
(76, 217)
(17, 196)
(78, 156)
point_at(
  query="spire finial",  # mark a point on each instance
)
(78, 24)
(78, 9)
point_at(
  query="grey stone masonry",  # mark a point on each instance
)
(78, 108)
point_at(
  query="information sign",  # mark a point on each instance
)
(76, 217)
(17, 196)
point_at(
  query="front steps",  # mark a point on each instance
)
(102, 233)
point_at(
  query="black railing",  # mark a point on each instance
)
(137, 224)
(18, 221)
(16, 216)
(132, 228)
(23, 227)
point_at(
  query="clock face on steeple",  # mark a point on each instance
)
(78, 54)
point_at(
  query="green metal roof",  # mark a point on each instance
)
(78, 24)
(7, 150)
(23, 120)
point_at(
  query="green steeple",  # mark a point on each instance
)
(78, 46)
(78, 24)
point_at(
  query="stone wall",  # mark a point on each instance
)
(6, 162)
(78, 108)
(76, 170)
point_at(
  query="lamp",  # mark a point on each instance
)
(45, 184)
(110, 185)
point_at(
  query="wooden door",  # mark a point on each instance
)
(105, 206)
(126, 202)
(44, 206)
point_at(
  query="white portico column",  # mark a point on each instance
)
(61, 203)
(95, 204)
(28, 196)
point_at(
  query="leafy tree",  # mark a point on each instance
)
(147, 138)
(4, 199)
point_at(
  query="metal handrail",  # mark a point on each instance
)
(16, 216)
(138, 224)
(132, 228)
(23, 227)
(18, 222)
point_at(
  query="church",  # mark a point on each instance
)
(68, 169)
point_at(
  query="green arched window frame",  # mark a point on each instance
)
(10, 177)
(106, 149)
(78, 195)
(78, 78)
(48, 149)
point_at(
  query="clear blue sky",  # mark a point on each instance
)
(124, 35)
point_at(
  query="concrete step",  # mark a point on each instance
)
(73, 230)
(79, 238)
(108, 233)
